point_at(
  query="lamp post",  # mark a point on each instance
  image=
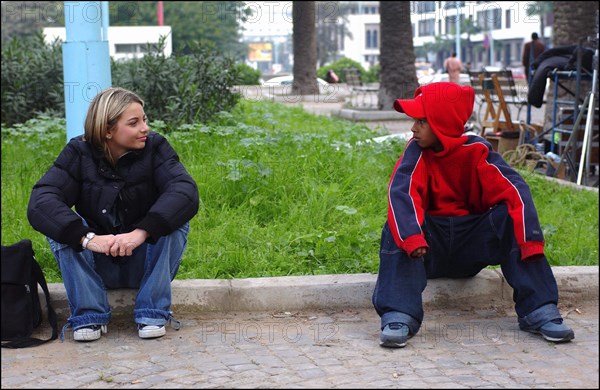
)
(457, 30)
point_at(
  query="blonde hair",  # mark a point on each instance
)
(103, 114)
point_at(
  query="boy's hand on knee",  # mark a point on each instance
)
(534, 258)
(419, 252)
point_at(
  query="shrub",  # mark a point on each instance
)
(177, 89)
(246, 75)
(372, 75)
(339, 66)
(180, 89)
(32, 79)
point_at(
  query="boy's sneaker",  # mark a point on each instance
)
(89, 333)
(151, 331)
(555, 331)
(394, 335)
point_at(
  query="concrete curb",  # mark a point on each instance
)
(371, 115)
(288, 293)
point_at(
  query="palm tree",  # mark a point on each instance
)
(305, 48)
(397, 54)
(539, 9)
(573, 20)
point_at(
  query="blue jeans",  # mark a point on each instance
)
(460, 247)
(151, 268)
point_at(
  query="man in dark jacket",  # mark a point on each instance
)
(132, 200)
(529, 55)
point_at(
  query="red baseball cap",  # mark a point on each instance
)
(411, 107)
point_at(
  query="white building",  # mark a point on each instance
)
(124, 42)
(507, 23)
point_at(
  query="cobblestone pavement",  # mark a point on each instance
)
(476, 348)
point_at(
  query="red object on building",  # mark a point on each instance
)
(486, 41)
(159, 14)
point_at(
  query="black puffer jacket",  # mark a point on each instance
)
(149, 189)
(562, 58)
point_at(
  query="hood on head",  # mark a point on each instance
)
(447, 108)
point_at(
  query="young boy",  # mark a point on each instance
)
(455, 207)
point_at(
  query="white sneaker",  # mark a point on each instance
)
(89, 333)
(151, 331)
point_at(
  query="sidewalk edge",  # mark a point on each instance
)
(338, 291)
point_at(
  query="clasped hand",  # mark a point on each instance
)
(117, 244)
(419, 252)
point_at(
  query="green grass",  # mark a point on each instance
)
(283, 192)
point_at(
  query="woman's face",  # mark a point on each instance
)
(129, 133)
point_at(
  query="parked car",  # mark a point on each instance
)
(424, 69)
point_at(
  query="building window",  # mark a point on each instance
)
(496, 18)
(372, 36)
(507, 20)
(370, 10)
(371, 59)
(451, 23)
(453, 4)
(422, 7)
(490, 19)
(426, 27)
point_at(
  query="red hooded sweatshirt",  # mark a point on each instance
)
(467, 177)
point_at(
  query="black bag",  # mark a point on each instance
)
(21, 309)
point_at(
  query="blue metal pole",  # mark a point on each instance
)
(105, 20)
(554, 107)
(86, 61)
(458, 30)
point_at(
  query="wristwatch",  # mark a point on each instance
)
(87, 239)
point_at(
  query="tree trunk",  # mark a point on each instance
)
(397, 54)
(305, 48)
(573, 20)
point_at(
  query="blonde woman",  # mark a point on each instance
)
(115, 207)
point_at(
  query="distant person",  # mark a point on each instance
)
(332, 77)
(453, 65)
(115, 207)
(467, 67)
(530, 55)
(454, 208)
